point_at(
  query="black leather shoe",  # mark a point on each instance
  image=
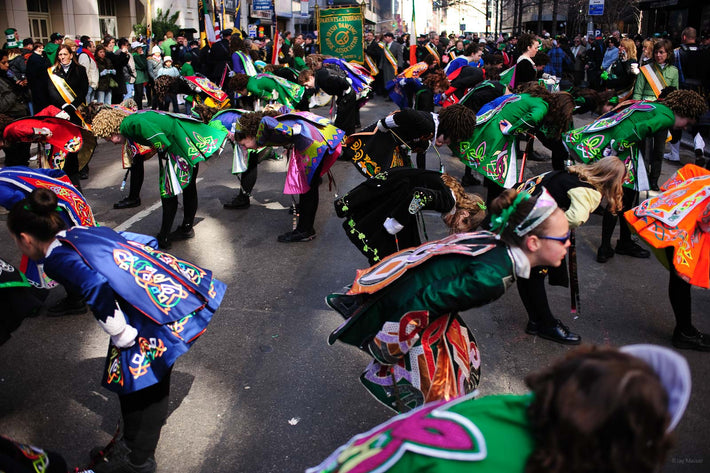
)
(559, 333)
(163, 242)
(241, 201)
(127, 203)
(297, 236)
(654, 187)
(183, 232)
(68, 306)
(604, 253)
(631, 248)
(698, 341)
(469, 180)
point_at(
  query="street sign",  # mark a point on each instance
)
(261, 5)
(252, 30)
(596, 7)
(462, 27)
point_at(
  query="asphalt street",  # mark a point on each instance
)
(262, 391)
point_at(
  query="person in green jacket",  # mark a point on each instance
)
(622, 134)
(269, 88)
(404, 310)
(50, 50)
(599, 409)
(655, 76)
(142, 78)
(181, 142)
(188, 71)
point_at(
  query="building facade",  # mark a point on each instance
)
(38, 19)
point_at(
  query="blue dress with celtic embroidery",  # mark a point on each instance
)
(169, 301)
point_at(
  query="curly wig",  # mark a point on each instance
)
(313, 59)
(204, 112)
(686, 103)
(436, 80)
(238, 82)
(470, 208)
(598, 410)
(457, 122)
(107, 122)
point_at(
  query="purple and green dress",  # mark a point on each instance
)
(491, 434)
(315, 142)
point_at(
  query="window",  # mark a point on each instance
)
(107, 17)
(38, 16)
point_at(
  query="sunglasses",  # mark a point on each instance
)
(562, 240)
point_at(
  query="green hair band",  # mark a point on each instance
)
(500, 221)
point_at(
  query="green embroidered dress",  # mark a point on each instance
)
(181, 142)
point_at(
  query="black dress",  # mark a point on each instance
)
(388, 195)
(348, 114)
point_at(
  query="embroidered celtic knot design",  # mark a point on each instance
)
(163, 291)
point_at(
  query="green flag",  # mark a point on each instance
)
(340, 33)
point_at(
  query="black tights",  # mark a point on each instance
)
(137, 175)
(679, 295)
(189, 202)
(532, 293)
(609, 220)
(308, 205)
(144, 413)
(248, 178)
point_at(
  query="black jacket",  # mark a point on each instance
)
(77, 79)
(38, 81)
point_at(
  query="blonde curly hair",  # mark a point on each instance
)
(107, 122)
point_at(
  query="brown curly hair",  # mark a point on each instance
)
(470, 208)
(313, 59)
(205, 112)
(457, 122)
(686, 103)
(238, 82)
(248, 124)
(598, 410)
(560, 108)
(436, 80)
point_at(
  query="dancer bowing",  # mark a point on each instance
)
(592, 411)
(315, 145)
(181, 142)
(404, 311)
(492, 148)
(382, 214)
(675, 223)
(149, 329)
(578, 191)
(387, 143)
(622, 134)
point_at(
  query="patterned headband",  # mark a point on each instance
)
(543, 208)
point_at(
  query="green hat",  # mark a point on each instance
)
(12, 39)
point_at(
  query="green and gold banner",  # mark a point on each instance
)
(340, 33)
